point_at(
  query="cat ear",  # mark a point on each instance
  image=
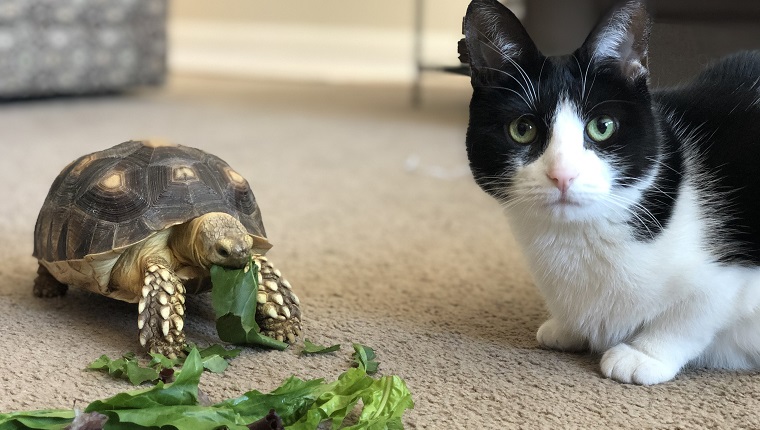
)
(623, 37)
(493, 36)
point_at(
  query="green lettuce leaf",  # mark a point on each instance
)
(384, 400)
(183, 391)
(311, 348)
(160, 361)
(384, 403)
(233, 297)
(290, 400)
(215, 357)
(364, 358)
(38, 420)
(128, 367)
(336, 401)
(175, 417)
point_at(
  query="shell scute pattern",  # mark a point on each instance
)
(115, 198)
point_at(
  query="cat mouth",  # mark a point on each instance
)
(565, 201)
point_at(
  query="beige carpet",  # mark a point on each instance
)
(380, 229)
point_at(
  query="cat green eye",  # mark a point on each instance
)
(601, 128)
(523, 131)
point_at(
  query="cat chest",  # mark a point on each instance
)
(583, 267)
(603, 288)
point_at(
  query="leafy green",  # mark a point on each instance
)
(128, 367)
(234, 299)
(184, 391)
(161, 361)
(364, 358)
(303, 405)
(214, 357)
(384, 403)
(386, 398)
(291, 400)
(337, 400)
(40, 420)
(311, 348)
(215, 349)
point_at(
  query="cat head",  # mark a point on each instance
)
(570, 136)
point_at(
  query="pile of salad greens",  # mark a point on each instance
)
(300, 404)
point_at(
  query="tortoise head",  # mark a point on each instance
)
(215, 239)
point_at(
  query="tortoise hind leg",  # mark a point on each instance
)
(161, 310)
(45, 285)
(278, 311)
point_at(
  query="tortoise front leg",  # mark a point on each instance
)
(278, 311)
(45, 285)
(161, 310)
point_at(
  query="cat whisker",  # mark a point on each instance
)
(503, 72)
(583, 80)
(541, 72)
(635, 179)
(618, 204)
(663, 164)
(527, 79)
(630, 205)
(492, 46)
(610, 101)
(511, 90)
(590, 88)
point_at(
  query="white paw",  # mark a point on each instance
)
(625, 364)
(553, 335)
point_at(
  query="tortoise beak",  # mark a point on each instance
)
(232, 254)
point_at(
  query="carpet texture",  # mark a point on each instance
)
(381, 231)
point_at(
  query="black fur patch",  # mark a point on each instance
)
(722, 107)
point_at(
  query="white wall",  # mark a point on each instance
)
(327, 40)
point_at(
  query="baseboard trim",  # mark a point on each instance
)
(302, 52)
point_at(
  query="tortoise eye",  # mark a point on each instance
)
(222, 251)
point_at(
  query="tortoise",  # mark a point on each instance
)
(143, 222)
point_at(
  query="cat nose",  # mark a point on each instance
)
(562, 178)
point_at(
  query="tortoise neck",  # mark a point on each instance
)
(131, 265)
(185, 245)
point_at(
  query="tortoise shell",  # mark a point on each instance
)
(112, 199)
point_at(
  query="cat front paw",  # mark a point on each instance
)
(553, 335)
(628, 365)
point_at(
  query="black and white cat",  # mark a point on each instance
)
(638, 211)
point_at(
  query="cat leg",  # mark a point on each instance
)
(553, 334)
(666, 344)
(636, 365)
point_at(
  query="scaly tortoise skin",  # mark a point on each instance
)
(143, 222)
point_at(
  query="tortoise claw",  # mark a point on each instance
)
(161, 309)
(278, 311)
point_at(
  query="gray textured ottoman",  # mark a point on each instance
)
(67, 47)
